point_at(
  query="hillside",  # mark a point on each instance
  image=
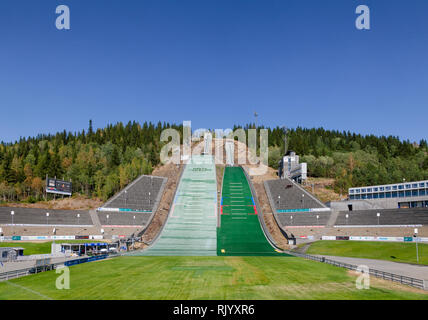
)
(101, 162)
(323, 189)
(77, 202)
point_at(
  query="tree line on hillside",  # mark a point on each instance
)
(101, 162)
(351, 159)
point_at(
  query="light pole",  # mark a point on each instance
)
(47, 218)
(317, 218)
(149, 199)
(291, 219)
(78, 216)
(134, 220)
(107, 219)
(255, 117)
(416, 240)
(347, 216)
(303, 201)
(125, 198)
(12, 213)
(378, 215)
(279, 201)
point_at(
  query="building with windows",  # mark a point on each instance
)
(290, 167)
(406, 194)
(388, 196)
(10, 254)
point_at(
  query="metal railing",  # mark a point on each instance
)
(8, 275)
(14, 274)
(413, 282)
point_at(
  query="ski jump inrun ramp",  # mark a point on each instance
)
(192, 224)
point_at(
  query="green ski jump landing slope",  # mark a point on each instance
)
(240, 233)
(191, 226)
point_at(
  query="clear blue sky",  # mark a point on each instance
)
(214, 62)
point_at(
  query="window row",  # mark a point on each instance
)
(393, 194)
(389, 188)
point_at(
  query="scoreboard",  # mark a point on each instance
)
(58, 186)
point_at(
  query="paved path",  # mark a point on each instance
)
(405, 269)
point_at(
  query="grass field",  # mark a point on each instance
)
(203, 278)
(392, 251)
(40, 247)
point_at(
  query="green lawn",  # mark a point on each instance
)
(200, 278)
(40, 247)
(392, 251)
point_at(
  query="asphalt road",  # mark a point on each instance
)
(405, 269)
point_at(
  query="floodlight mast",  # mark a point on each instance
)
(12, 213)
(416, 241)
(285, 131)
(255, 117)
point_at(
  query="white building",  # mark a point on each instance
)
(290, 167)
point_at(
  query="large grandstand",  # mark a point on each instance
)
(141, 195)
(135, 206)
(383, 218)
(33, 217)
(301, 215)
(130, 211)
(288, 196)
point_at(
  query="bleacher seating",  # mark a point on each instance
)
(124, 218)
(372, 231)
(139, 195)
(33, 216)
(303, 218)
(392, 222)
(414, 216)
(290, 195)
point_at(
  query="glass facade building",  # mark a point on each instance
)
(394, 191)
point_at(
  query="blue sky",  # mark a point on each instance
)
(214, 62)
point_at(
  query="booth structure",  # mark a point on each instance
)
(10, 254)
(85, 249)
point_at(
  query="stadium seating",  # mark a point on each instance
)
(293, 206)
(414, 216)
(140, 195)
(291, 195)
(137, 203)
(124, 218)
(303, 218)
(373, 231)
(33, 216)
